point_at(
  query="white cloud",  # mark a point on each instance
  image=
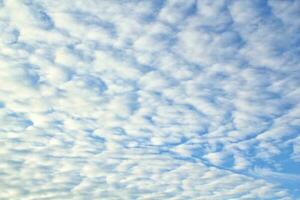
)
(149, 100)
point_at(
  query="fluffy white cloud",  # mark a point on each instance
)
(149, 100)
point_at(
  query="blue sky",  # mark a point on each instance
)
(178, 99)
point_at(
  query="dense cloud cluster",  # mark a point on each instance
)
(154, 99)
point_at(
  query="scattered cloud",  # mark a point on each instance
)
(149, 100)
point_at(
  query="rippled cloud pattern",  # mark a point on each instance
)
(149, 100)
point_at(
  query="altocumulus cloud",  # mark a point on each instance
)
(178, 99)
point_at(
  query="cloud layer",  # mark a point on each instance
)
(178, 99)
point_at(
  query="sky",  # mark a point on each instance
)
(149, 100)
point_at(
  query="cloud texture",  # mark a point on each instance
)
(178, 99)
